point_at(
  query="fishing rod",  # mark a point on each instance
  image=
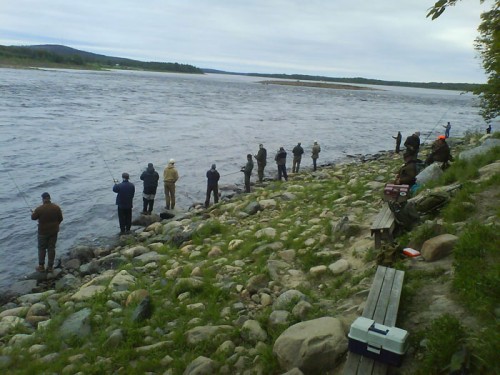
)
(22, 195)
(444, 114)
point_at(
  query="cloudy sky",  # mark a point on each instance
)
(380, 39)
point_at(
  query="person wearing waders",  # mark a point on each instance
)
(280, 159)
(150, 178)
(261, 158)
(124, 200)
(247, 170)
(213, 177)
(316, 149)
(297, 157)
(170, 177)
(447, 128)
(49, 216)
(398, 142)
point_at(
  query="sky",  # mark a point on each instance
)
(378, 39)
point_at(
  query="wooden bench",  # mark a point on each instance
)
(382, 307)
(383, 226)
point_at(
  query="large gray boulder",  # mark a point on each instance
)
(313, 346)
(77, 324)
(438, 247)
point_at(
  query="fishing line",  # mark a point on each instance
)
(102, 156)
(444, 114)
(22, 195)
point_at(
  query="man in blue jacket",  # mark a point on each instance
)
(124, 200)
(150, 178)
(213, 177)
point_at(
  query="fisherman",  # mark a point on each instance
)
(440, 152)
(261, 158)
(297, 157)
(408, 172)
(247, 170)
(213, 177)
(316, 149)
(280, 159)
(124, 200)
(398, 142)
(49, 216)
(488, 129)
(170, 177)
(447, 128)
(150, 178)
(412, 144)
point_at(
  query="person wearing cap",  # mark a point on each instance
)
(247, 170)
(213, 177)
(150, 178)
(280, 159)
(440, 152)
(408, 172)
(447, 128)
(412, 144)
(261, 158)
(124, 200)
(316, 149)
(170, 177)
(49, 216)
(297, 157)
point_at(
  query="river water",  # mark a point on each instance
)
(71, 132)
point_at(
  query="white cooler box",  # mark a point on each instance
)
(379, 342)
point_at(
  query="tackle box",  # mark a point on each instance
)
(396, 193)
(377, 341)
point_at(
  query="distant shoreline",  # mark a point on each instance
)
(336, 86)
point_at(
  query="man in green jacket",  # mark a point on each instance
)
(261, 158)
(49, 216)
(247, 170)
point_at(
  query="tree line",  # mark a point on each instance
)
(65, 56)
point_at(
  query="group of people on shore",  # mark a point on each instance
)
(440, 152)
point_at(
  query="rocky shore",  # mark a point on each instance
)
(264, 283)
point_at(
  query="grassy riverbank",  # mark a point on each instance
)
(211, 271)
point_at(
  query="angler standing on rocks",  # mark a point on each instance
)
(280, 159)
(170, 177)
(124, 200)
(297, 157)
(261, 158)
(150, 178)
(316, 149)
(247, 170)
(49, 216)
(213, 177)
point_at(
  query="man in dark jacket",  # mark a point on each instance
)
(247, 170)
(412, 144)
(261, 158)
(150, 178)
(49, 216)
(280, 159)
(297, 157)
(398, 142)
(213, 177)
(124, 200)
(408, 172)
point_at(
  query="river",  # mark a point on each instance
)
(71, 132)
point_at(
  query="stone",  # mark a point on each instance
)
(301, 310)
(252, 332)
(252, 208)
(317, 271)
(122, 281)
(288, 299)
(188, 284)
(278, 318)
(256, 283)
(438, 247)
(201, 334)
(83, 253)
(37, 309)
(266, 232)
(135, 251)
(72, 264)
(143, 311)
(234, 244)
(77, 324)
(313, 346)
(267, 203)
(89, 268)
(86, 293)
(17, 311)
(67, 282)
(151, 256)
(136, 296)
(339, 267)
(200, 366)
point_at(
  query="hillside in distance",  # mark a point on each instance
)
(54, 55)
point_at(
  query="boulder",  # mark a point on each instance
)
(77, 324)
(200, 366)
(82, 253)
(313, 346)
(201, 334)
(252, 332)
(438, 247)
